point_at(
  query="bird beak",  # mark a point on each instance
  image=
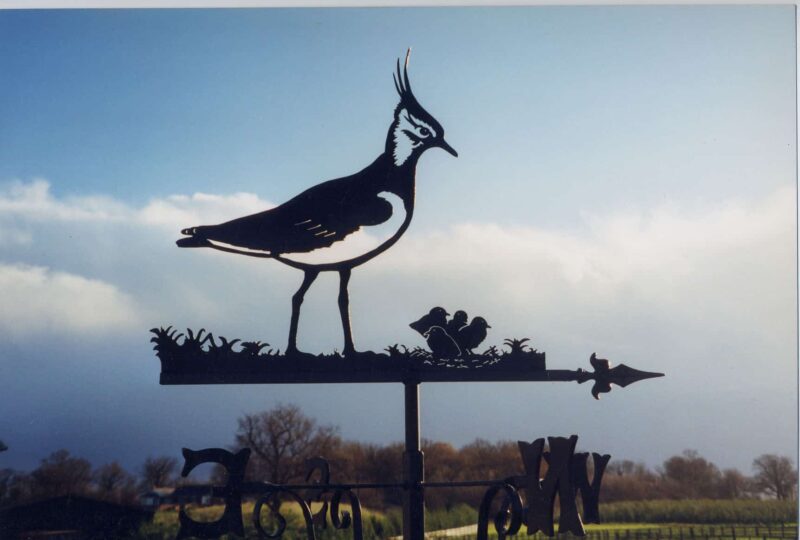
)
(447, 148)
(487, 326)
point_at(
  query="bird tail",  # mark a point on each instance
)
(194, 238)
(420, 326)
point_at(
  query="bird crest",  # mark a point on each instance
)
(414, 128)
(401, 83)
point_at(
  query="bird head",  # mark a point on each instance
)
(435, 331)
(480, 322)
(414, 129)
(460, 317)
(438, 312)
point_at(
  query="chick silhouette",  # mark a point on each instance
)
(472, 335)
(455, 324)
(435, 317)
(441, 344)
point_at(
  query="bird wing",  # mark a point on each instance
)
(315, 219)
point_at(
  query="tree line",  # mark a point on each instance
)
(283, 438)
(61, 473)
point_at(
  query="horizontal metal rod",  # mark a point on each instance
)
(250, 488)
(467, 483)
(388, 375)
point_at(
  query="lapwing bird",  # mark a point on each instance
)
(311, 232)
(435, 317)
(472, 335)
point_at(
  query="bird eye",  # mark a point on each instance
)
(424, 131)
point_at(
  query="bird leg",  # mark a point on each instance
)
(297, 300)
(344, 310)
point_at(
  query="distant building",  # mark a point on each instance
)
(158, 496)
(70, 517)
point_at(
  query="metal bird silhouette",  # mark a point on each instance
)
(441, 344)
(435, 317)
(471, 335)
(458, 322)
(322, 219)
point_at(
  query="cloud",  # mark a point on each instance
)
(13, 236)
(34, 201)
(721, 273)
(38, 300)
(187, 210)
(725, 265)
(609, 251)
(704, 292)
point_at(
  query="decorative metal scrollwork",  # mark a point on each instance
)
(604, 375)
(273, 502)
(503, 503)
(339, 519)
(344, 520)
(231, 520)
(270, 496)
(508, 519)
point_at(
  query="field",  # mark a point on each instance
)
(641, 520)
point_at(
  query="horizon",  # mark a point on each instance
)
(626, 185)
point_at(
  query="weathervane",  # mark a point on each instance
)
(314, 232)
(323, 218)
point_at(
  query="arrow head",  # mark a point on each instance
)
(604, 375)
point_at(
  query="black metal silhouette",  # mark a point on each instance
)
(566, 477)
(604, 376)
(470, 336)
(328, 213)
(451, 338)
(198, 358)
(435, 317)
(441, 344)
(319, 220)
(458, 322)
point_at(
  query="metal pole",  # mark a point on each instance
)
(413, 469)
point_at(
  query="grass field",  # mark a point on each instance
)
(742, 511)
(640, 520)
(673, 531)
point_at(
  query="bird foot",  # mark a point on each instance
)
(352, 354)
(295, 353)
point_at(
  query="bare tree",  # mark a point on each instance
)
(61, 474)
(366, 462)
(775, 475)
(691, 476)
(733, 484)
(483, 459)
(15, 487)
(158, 471)
(113, 483)
(281, 439)
(627, 480)
(627, 467)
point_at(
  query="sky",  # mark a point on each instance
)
(626, 185)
